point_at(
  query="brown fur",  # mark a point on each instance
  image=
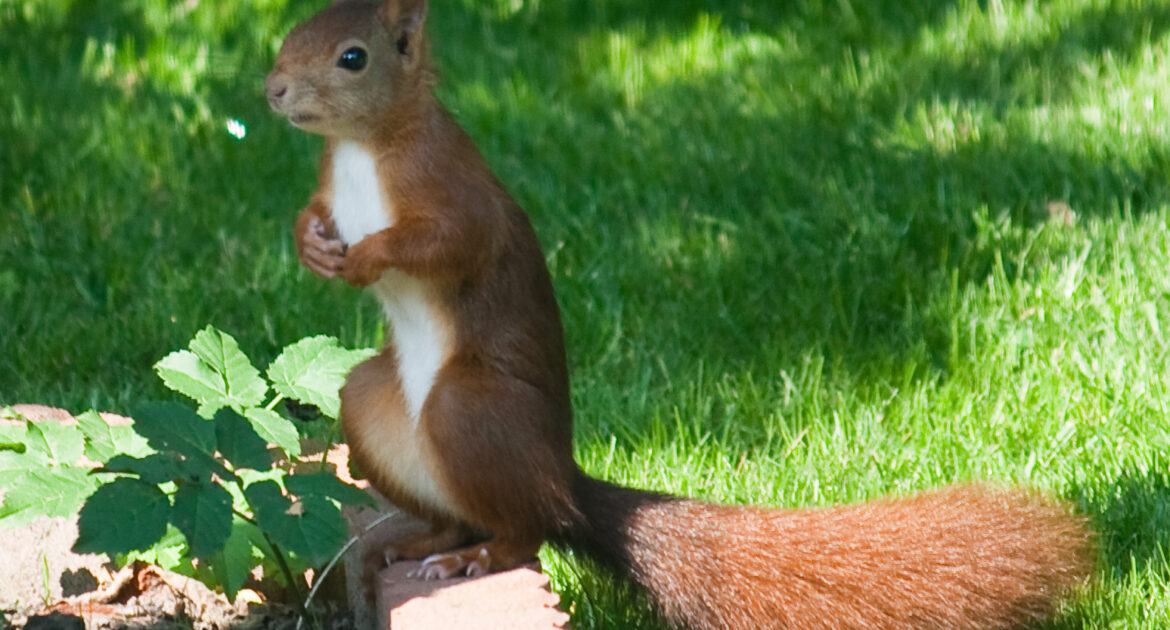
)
(963, 557)
(490, 456)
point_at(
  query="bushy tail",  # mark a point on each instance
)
(963, 557)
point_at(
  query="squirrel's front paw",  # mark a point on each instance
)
(363, 263)
(322, 253)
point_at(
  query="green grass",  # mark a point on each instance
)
(806, 252)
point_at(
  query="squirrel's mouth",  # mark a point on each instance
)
(302, 118)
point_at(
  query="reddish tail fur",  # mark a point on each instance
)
(965, 557)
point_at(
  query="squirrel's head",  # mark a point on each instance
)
(343, 71)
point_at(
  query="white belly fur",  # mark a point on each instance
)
(420, 340)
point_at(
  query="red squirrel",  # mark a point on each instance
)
(464, 419)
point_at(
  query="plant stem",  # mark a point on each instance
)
(281, 561)
(288, 574)
(275, 401)
(320, 579)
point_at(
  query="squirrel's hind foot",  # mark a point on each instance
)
(477, 560)
(440, 537)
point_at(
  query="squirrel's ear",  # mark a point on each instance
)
(404, 18)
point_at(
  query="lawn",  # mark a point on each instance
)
(806, 252)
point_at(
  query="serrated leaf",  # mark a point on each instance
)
(127, 440)
(169, 552)
(61, 443)
(173, 427)
(327, 485)
(312, 371)
(103, 440)
(268, 503)
(313, 528)
(184, 372)
(122, 516)
(155, 468)
(248, 477)
(99, 444)
(239, 442)
(233, 565)
(50, 491)
(274, 429)
(169, 557)
(203, 512)
(219, 350)
(15, 459)
(215, 373)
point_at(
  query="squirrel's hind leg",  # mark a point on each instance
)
(506, 464)
(505, 456)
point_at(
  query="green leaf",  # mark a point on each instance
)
(155, 468)
(13, 464)
(233, 565)
(104, 440)
(62, 443)
(327, 485)
(122, 516)
(12, 437)
(312, 528)
(99, 443)
(215, 373)
(26, 456)
(218, 349)
(249, 477)
(185, 373)
(312, 371)
(239, 443)
(274, 429)
(50, 491)
(203, 512)
(169, 552)
(173, 427)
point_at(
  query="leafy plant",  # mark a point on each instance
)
(211, 492)
(42, 468)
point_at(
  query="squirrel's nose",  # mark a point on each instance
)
(276, 87)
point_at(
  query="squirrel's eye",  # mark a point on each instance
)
(352, 59)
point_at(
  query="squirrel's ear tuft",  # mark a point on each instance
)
(404, 18)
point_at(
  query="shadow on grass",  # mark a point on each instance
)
(1132, 517)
